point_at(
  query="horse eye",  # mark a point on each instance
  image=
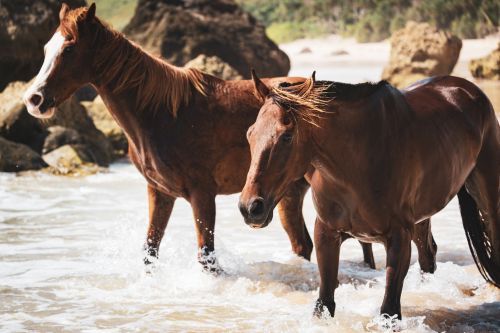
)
(287, 137)
(68, 49)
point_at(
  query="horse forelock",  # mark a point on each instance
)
(126, 65)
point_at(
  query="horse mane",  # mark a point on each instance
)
(124, 65)
(309, 99)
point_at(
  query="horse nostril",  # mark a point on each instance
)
(36, 99)
(51, 102)
(256, 208)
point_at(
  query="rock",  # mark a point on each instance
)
(418, 51)
(305, 50)
(25, 26)
(214, 66)
(107, 125)
(487, 67)
(339, 53)
(72, 114)
(180, 30)
(16, 157)
(72, 160)
(16, 124)
(60, 136)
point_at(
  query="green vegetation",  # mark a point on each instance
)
(116, 12)
(371, 20)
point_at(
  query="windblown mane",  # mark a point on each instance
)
(125, 65)
(309, 100)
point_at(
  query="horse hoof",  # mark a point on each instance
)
(210, 265)
(319, 309)
(215, 271)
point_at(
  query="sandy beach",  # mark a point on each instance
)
(343, 59)
(337, 51)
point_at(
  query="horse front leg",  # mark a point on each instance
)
(290, 210)
(203, 205)
(398, 247)
(327, 242)
(160, 208)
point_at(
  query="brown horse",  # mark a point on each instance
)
(382, 161)
(184, 134)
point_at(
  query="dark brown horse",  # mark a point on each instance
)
(186, 129)
(383, 160)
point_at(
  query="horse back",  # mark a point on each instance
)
(450, 96)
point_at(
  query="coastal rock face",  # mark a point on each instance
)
(16, 157)
(25, 26)
(487, 67)
(107, 125)
(180, 30)
(214, 66)
(418, 51)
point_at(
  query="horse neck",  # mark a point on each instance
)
(361, 134)
(120, 69)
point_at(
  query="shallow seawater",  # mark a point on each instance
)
(71, 260)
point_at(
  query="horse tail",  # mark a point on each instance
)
(480, 242)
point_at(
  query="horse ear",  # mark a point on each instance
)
(260, 89)
(90, 12)
(308, 84)
(64, 10)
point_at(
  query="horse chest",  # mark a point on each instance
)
(157, 174)
(344, 210)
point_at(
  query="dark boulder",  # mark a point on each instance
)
(16, 157)
(180, 30)
(60, 136)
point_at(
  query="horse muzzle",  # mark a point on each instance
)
(38, 105)
(257, 213)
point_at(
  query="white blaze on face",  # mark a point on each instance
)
(34, 97)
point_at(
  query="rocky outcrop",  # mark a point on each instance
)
(214, 66)
(71, 160)
(180, 30)
(70, 125)
(418, 51)
(107, 125)
(73, 115)
(15, 157)
(60, 136)
(25, 26)
(487, 67)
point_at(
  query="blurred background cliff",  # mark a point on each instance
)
(401, 41)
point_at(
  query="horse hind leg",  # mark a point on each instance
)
(480, 207)
(426, 246)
